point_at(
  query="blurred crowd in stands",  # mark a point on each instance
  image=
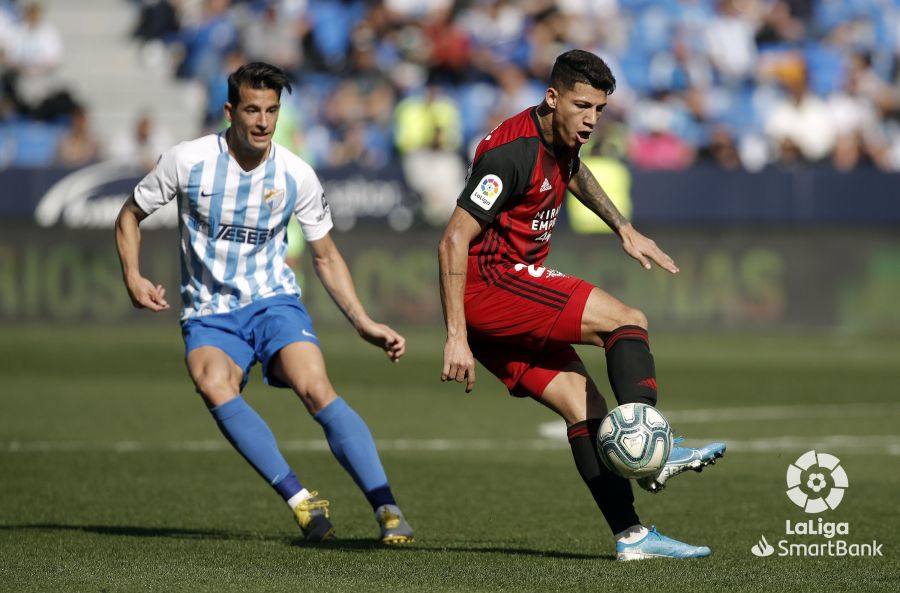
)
(737, 84)
(31, 51)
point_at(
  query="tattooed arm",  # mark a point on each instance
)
(587, 189)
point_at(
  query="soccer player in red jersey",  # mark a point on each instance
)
(503, 307)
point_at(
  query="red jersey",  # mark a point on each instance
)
(516, 184)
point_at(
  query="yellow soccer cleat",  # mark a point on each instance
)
(312, 517)
(394, 528)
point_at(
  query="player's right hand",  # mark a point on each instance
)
(459, 364)
(145, 295)
(644, 249)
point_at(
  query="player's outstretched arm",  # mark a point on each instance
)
(587, 189)
(332, 270)
(453, 254)
(143, 293)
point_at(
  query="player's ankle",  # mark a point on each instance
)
(298, 498)
(632, 535)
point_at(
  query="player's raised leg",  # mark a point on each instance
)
(302, 366)
(218, 380)
(573, 395)
(622, 331)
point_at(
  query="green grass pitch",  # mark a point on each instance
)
(114, 478)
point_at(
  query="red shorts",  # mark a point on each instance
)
(522, 326)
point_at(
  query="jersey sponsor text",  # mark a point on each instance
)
(242, 234)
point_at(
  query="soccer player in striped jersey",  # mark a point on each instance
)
(504, 308)
(236, 192)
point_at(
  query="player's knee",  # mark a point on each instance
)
(315, 391)
(307, 385)
(216, 387)
(632, 316)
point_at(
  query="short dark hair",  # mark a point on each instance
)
(256, 75)
(578, 65)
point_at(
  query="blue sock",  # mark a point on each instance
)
(253, 439)
(352, 445)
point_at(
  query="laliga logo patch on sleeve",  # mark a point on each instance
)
(487, 191)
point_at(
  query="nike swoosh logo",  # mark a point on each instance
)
(307, 334)
(206, 194)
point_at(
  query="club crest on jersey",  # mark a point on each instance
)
(488, 190)
(272, 197)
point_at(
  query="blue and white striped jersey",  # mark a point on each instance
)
(233, 223)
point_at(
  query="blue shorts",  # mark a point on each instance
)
(254, 332)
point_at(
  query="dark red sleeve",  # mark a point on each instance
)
(500, 173)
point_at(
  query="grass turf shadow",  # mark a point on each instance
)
(364, 544)
(140, 531)
(353, 545)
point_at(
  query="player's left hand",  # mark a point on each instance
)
(644, 250)
(378, 334)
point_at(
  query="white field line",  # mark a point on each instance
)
(874, 444)
(553, 435)
(818, 411)
(557, 429)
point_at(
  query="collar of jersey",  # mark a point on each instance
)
(223, 147)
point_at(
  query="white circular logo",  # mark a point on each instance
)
(816, 482)
(487, 191)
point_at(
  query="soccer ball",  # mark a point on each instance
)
(634, 440)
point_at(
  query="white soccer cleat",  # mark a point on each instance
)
(656, 545)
